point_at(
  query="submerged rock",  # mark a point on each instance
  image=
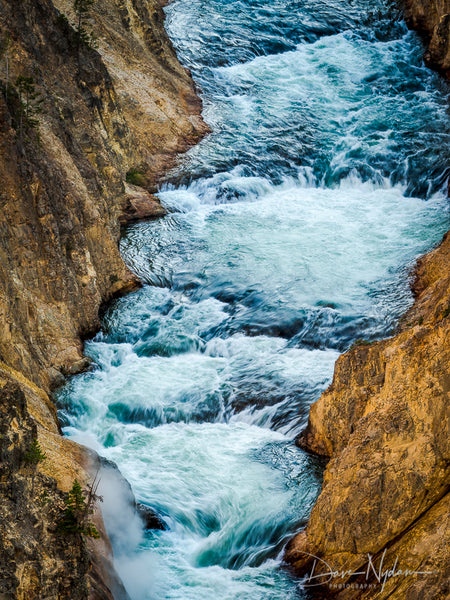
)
(150, 517)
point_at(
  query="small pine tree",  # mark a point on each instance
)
(82, 9)
(78, 509)
(75, 509)
(29, 103)
(34, 454)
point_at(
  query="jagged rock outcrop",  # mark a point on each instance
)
(128, 106)
(385, 424)
(37, 559)
(81, 152)
(138, 204)
(432, 19)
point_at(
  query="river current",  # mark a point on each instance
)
(290, 234)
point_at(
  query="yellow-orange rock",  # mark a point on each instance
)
(432, 18)
(126, 105)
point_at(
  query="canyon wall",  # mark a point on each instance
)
(432, 19)
(86, 131)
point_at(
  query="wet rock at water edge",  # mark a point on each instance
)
(150, 518)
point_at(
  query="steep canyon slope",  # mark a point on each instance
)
(86, 130)
(384, 422)
(432, 19)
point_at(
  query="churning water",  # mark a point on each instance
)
(290, 234)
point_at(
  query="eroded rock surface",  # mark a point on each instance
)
(432, 18)
(127, 105)
(37, 559)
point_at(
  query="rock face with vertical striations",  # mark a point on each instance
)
(432, 19)
(81, 152)
(126, 107)
(37, 559)
(384, 422)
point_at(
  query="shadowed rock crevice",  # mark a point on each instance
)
(432, 19)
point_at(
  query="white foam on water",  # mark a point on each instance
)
(308, 245)
(219, 496)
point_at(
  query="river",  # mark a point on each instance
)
(290, 234)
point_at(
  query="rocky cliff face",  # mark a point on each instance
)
(37, 559)
(128, 107)
(85, 134)
(384, 423)
(432, 18)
